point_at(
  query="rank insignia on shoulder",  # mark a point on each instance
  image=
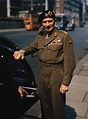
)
(55, 34)
(70, 41)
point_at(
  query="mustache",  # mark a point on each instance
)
(47, 27)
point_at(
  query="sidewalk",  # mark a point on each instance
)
(77, 96)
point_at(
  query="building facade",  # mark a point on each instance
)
(3, 10)
(37, 5)
(71, 8)
(74, 9)
(11, 7)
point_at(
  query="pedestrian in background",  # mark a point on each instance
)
(57, 62)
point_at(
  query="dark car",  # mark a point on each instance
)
(61, 25)
(70, 27)
(22, 74)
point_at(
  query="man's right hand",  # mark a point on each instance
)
(22, 91)
(19, 54)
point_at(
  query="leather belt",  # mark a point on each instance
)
(51, 65)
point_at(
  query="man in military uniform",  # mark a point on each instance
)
(57, 62)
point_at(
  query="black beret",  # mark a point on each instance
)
(46, 14)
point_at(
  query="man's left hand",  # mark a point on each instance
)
(64, 88)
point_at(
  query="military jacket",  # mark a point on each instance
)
(57, 48)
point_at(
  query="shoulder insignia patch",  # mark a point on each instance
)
(55, 34)
(70, 41)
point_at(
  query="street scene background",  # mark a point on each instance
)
(76, 12)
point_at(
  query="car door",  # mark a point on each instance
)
(21, 72)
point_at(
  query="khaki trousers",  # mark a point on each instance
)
(52, 101)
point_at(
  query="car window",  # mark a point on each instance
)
(69, 24)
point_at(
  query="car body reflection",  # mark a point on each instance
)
(70, 27)
(22, 74)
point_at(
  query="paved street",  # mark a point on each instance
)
(77, 96)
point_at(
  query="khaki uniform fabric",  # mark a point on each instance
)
(57, 62)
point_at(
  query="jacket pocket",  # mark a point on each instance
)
(54, 48)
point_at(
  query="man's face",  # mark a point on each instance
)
(48, 24)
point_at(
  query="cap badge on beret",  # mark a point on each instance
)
(46, 14)
(50, 13)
